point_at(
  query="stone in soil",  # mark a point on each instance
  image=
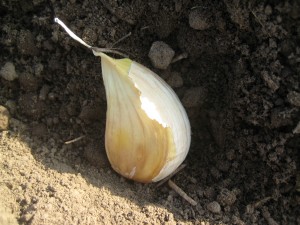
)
(194, 97)
(199, 20)
(214, 207)
(161, 55)
(8, 72)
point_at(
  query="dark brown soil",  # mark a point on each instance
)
(241, 85)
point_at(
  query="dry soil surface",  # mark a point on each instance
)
(238, 78)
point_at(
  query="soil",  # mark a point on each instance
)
(239, 83)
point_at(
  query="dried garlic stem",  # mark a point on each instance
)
(121, 39)
(95, 50)
(74, 140)
(184, 195)
(183, 55)
(71, 33)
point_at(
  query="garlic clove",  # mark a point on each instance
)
(147, 130)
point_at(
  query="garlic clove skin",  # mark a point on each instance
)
(147, 130)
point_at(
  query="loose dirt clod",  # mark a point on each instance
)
(175, 80)
(214, 207)
(226, 197)
(161, 55)
(194, 97)
(271, 81)
(294, 98)
(199, 20)
(297, 129)
(8, 72)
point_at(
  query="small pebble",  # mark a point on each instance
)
(114, 19)
(271, 81)
(294, 98)
(161, 55)
(44, 92)
(226, 197)
(279, 19)
(91, 113)
(297, 129)
(38, 69)
(8, 72)
(268, 10)
(209, 193)
(4, 118)
(175, 80)
(199, 20)
(52, 96)
(89, 35)
(214, 207)
(194, 97)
